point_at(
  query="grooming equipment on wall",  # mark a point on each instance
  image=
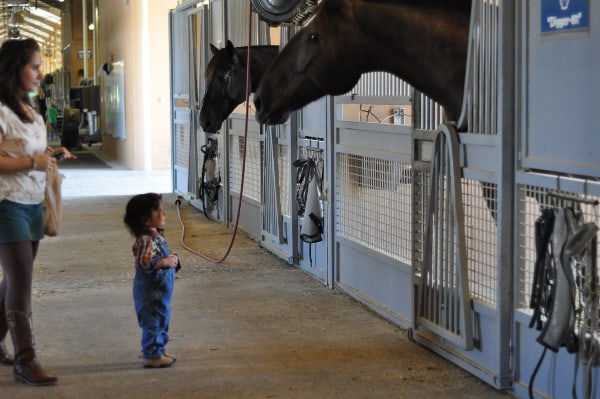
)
(210, 179)
(565, 291)
(309, 186)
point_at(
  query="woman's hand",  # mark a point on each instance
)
(61, 153)
(41, 161)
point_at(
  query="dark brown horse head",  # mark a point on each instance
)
(225, 78)
(308, 66)
(423, 42)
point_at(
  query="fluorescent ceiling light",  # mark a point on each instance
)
(17, 3)
(45, 14)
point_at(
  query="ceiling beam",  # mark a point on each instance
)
(51, 3)
(41, 24)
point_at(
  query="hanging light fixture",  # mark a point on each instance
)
(16, 19)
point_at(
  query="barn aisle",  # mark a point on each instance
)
(252, 327)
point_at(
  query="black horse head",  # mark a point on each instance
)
(225, 79)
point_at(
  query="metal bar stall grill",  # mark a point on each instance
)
(253, 182)
(284, 166)
(381, 84)
(444, 300)
(480, 105)
(272, 222)
(181, 116)
(478, 181)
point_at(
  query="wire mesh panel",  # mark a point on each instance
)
(481, 237)
(444, 299)
(182, 145)
(480, 233)
(252, 178)
(374, 204)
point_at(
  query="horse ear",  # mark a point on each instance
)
(213, 49)
(231, 52)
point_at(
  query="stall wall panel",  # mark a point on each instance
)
(486, 185)
(180, 85)
(381, 283)
(563, 96)
(250, 217)
(180, 55)
(559, 158)
(312, 143)
(373, 216)
(556, 376)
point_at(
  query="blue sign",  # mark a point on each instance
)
(565, 15)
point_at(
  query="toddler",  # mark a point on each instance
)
(155, 267)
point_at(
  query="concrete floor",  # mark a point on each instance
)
(251, 327)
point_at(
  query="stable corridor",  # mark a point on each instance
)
(251, 327)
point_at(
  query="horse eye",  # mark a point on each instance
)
(313, 37)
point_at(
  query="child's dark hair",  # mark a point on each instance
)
(139, 211)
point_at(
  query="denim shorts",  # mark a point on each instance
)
(21, 222)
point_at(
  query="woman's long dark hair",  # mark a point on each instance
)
(14, 55)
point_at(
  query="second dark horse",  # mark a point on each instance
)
(423, 42)
(225, 78)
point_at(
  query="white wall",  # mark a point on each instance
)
(137, 31)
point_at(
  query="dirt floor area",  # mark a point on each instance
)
(251, 327)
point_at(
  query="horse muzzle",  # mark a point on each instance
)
(267, 116)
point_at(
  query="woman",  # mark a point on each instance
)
(24, 159)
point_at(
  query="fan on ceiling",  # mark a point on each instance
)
(277, 12)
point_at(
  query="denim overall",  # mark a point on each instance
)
(152, 293)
